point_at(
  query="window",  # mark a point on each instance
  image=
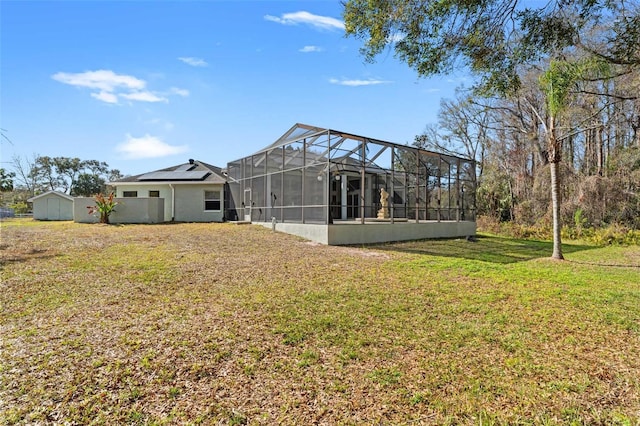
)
(131, 194)
(154, 194)
(212, 200)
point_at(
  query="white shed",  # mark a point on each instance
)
(52, 205)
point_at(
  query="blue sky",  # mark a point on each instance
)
(146, 85)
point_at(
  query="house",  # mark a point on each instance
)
(192, 192)
(52, 205)
(325, 185)
(336, 188)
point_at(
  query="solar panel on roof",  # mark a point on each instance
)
(185, 168)
(176, 175)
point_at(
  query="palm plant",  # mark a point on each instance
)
(104, 206)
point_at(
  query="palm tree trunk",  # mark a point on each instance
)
(555, 205)
(555, 156)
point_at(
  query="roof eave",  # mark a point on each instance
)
(165, 182)
(56, 193)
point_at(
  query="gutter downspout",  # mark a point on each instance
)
(173, 202)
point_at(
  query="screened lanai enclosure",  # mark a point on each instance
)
(319, 183)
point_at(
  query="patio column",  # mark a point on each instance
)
(458, 189)
(304, 175)
(343, 196)
(417, 187)
(439, 186)
(391, 187)
(362, 181)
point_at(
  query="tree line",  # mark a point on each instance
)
(554, 117)
(600, 152)
(39, 174)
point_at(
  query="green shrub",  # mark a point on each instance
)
(20, 207)
(104, 206)
(609, 235)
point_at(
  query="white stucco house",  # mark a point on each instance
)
(52, 205)
(322, 184)
(192, 192)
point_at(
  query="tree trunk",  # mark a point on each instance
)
(600, 153)
(104, 218)
(555, 151)
(588, 152)
(571, 153)
(635, 126)
(555, 205)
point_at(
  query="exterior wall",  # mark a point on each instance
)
(317, 233)
(143, 192)
(189, 201)
(129, 210)
(52, 207)
(384, 232)
(370, 233)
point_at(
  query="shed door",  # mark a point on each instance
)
(53, 208)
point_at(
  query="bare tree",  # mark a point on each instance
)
(24, 169)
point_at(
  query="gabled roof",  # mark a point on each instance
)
(191, 172)
(57, 193)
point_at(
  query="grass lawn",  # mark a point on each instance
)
(226, 324)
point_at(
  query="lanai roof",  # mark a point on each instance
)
(304, 131)
(345, 151)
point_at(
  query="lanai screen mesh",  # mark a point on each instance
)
(314, 175)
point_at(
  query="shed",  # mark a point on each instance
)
(52, 205)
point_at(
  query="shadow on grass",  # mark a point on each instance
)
(484, 248)
(21, 256)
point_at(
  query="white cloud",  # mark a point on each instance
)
(107, 97)
(105, 80)
(302, 17)
(308, 49)
(194, 62)
(355, 83)
(180, 92)
(143, 97)
(148, 147)
(112, 86)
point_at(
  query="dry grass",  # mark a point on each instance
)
(224, 324)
